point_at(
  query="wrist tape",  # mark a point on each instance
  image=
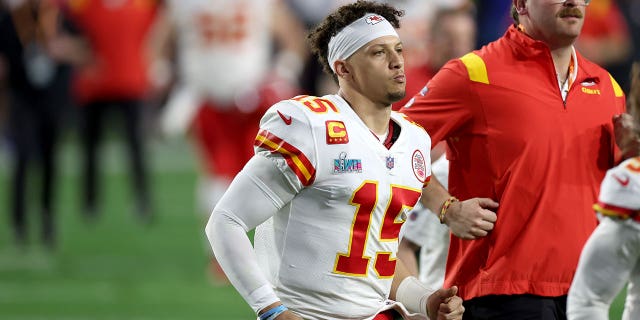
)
(413, 294)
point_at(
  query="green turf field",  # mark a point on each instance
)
(117, 268)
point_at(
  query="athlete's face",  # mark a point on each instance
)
(555, 22)
(378, 70)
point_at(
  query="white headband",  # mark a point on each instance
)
(357, 34)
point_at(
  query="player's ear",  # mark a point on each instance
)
(342, 71)
(521, 7)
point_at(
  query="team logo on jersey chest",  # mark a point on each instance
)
(419, 166)
(345, 165)
(336, 132)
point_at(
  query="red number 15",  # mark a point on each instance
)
(365, 198)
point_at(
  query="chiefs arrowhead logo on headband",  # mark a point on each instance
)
(373, 19)
(354, 36)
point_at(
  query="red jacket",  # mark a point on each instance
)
(511, 138)
(117, 36)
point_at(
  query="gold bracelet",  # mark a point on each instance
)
(446, 206)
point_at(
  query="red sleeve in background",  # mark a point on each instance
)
(446, 104)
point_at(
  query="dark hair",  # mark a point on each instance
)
(514, 15)
(319, 37)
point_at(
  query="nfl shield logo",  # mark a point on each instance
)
(389, 162)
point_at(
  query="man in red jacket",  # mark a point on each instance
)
(112, 75)
(528, 124)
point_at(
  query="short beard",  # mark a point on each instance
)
(396, 96)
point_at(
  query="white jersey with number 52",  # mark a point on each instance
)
(334, 246)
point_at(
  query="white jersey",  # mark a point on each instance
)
(620, 190)
(331, 252)
(424, 229)
(224, 46)
(610, 258)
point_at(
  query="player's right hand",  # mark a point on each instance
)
(472, 219)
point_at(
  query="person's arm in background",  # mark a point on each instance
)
(625, 127)
(290, 35)
(626, 136)
(159, 50)
(42, 28)
(68, 45)
(407, 251)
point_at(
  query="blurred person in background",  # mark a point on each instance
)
(440, 30)
(631, 10)
(37, 91)
(313, 80)
(4, 83)
(112, 52)
(234, 60)
(605, 39)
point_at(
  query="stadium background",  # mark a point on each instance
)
(116, 268)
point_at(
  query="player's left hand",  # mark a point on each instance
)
(444, 304)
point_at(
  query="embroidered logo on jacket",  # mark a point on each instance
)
(590, 91)
(344, 165)
(336, 132)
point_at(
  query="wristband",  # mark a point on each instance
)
(413, 294)
(446, 206)
(273, 312)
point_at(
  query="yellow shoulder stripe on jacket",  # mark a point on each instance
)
(616, 87)
(476, 68)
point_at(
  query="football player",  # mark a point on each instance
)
(329, 187)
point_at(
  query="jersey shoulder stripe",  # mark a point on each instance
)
(614, 211)
(296, 160)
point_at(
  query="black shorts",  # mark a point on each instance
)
(516, 307)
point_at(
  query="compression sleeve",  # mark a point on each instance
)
(255, 195)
